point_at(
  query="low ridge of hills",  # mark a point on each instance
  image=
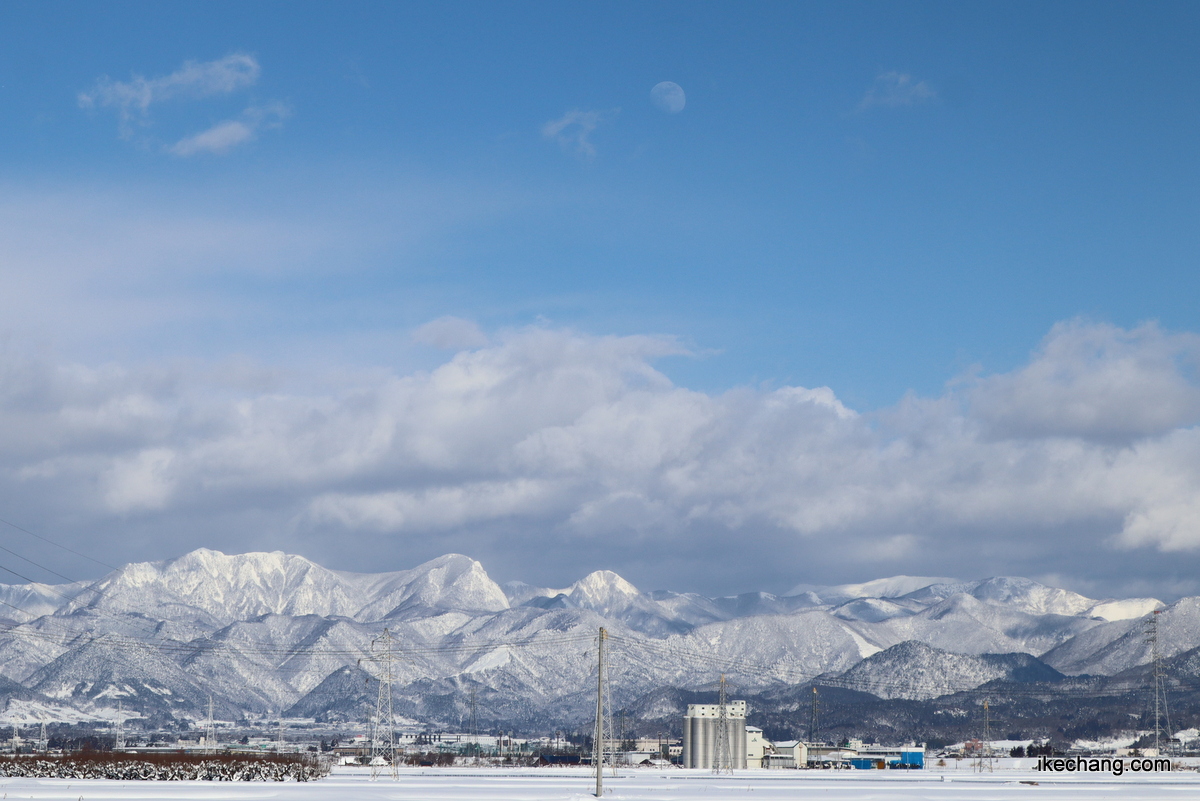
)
(277, 634)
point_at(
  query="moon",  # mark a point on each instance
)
(669, 97)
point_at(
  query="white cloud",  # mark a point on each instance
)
(577, 449)
(217, 139)
(195, 79)
(893, 89)
(573, 130)
(1096, 381)
(450, 333)
(139, 482)
(224, 136)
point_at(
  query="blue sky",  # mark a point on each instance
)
(884, 199)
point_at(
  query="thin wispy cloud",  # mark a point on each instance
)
(573, 130)
(195, 79)
(133, 100)
(894, 89)
(228, 134)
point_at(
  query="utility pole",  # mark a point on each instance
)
(723, 761)
(987, 732)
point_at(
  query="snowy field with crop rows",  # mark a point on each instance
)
(553, 784)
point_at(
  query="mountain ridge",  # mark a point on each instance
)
(264, 632)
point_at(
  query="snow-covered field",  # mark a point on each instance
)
(557, 784)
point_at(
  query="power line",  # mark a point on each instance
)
(58, 545)
(67, 579)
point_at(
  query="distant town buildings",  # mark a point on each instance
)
(748, 748)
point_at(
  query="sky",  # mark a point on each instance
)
(722, 297)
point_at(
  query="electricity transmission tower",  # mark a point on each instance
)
(210, 730)
(1161, 711)
(474, 728)
(723, 760)
(603, 733)
(812, 719)
(383, 737)
(119, 738)
(984, 761)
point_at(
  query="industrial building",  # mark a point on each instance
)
(700, 727)
(880, 756)
(796, 754)
(748, 748)
(757, 747)
(787, 754)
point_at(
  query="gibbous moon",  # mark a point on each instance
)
(669, 97)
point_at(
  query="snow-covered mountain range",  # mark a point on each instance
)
(272, 633)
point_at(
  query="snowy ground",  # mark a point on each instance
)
(558, 784)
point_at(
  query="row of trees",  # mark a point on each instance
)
(165, 767)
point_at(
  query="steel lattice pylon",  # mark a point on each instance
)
(383, 734)
(1161, 710)
(603, 746)
(723, 759)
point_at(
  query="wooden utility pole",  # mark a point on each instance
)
(598, 740)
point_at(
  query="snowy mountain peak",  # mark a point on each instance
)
(214, 587)
(598, 590)
(892, 587)
(452, 581)
(1125, 609)
(917, 670)
(602, 588)
(1030, 596)
(21, 603)
(223, 586)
